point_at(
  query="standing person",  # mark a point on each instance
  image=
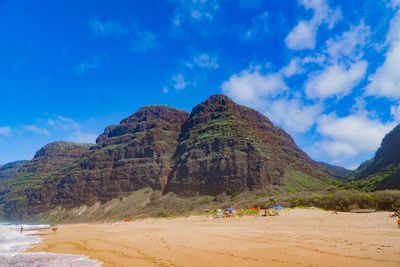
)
(398, 222)
(21, 229)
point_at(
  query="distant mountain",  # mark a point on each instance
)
(8, 170)
(20, 181)
(336, 171)
(383, 171)
(220, 147)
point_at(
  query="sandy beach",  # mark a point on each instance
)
(300, 237)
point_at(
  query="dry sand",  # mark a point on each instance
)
(295, 238)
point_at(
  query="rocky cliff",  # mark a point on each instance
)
(383, 171)
(20, 181)
(135, 154)
(225, 147)
(220, 147)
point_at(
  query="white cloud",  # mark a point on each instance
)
(394, 3)
(395, 112)
(71, 129)
(337, 150)
(81, 137)
(88, 64)
(205, 61)
(293, 68)
(303, 35)
(349, 45)
(267, 93)
(299, 65)
(37, 130)
(143, 41)
(251, 88)
(203, 9)
(293, 115)
(179, 82)
(346, 137)
(63, 123)
(385, 82)
(5, 131)
(259, 26)
(106, 28)
(192, 71)
(322, 12)
(194, 10)
(335, 80)
(336, 70)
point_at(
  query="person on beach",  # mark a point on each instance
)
(398, 222)
(21, 229)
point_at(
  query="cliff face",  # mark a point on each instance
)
(9, 170)
(219, 147)
(387, 154)
(23, 180)
(225, 147)
(384, 168)
(135, 154)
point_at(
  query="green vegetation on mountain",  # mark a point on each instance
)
(383, 171)
(297, 181)
(161, 161)
(371, 182)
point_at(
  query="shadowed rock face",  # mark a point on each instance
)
(225, 147)
(388, 155)
(219, 147)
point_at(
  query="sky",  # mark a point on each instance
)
(326, 71)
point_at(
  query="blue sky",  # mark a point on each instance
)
(326, 71)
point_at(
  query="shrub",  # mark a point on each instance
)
(347, 200)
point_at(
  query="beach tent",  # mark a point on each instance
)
(278, 207)
(231, 210)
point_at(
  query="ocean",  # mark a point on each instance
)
(13, 243)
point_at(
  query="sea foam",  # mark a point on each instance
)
(13, 243)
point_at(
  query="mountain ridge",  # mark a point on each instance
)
(383, 170)
(220, 147)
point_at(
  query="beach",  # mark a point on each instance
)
(298, 237)
(13, 243)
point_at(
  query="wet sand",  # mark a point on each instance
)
(299, 237)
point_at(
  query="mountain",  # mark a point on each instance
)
(336, 171)
(225, 147)
(8, 170)
(383, 171)
(135, 154)
(20, 181)
(220, 147)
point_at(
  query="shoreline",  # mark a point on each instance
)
(298, 237)
(14, 246)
